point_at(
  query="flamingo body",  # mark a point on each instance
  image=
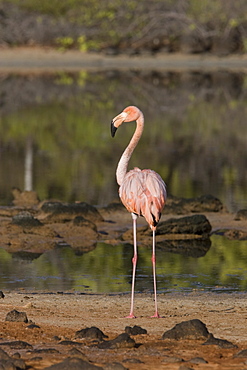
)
(143, 192)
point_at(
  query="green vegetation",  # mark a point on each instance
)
(140, 24)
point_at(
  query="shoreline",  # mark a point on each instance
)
(58, 317)
(47, 60)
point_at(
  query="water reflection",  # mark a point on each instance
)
(108, 269)
(54, 133)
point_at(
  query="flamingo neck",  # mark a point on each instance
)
(124, 160)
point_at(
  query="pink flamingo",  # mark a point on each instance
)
(143, 192)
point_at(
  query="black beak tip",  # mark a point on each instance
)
(113, 129)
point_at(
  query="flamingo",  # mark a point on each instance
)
(142, 192)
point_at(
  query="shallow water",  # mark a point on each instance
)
(108, 269)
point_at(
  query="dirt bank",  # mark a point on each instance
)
(41, 60)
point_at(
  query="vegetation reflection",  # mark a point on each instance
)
(108, 269)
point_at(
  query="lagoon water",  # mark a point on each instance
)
(55, 139)
(107, 269)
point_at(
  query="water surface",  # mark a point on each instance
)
(108, 269)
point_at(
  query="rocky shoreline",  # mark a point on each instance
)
(61, 330)
(32, 226)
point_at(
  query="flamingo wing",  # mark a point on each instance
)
(143, 192)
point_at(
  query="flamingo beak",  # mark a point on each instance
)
(113, 129)
(117, 121)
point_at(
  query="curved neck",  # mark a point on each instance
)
(124, 160)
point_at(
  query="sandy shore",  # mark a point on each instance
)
(62, 315)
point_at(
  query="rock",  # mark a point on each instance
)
(1, 294)
(241, 354)
(135, 330)
(17, 344)
(223, 343)
(33, 326)
(70, 343)
(205, 203)
(74, 363)
(10, 363)
(75, 352)
(45, 350)
(81, 221)
(133, 360)
(26, 219)
(234, 234)
(17, 316)
(114, 366)
(192, 329)
(241, 215)
(198, 360)
(91, 333)
(64, 212)
(121, 341)
(196, 224)
(25, 198)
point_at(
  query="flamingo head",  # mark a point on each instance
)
(129, 114)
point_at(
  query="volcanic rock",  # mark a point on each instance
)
(15, 315)
(192, 329)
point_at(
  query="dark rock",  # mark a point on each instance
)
(15, 315)
(234, 234)
(17, 344)
(45, 350)
(184, 367)
(1, 294)
(64, 212)
(114, 207)
(135, 330)
(121, 341)
(192, 329)
(4, 355)
(33, 326)
(241, 215)
(222, 343)
(196, 224)
(198, 360)
(205, 203)
(241, 354)
(70, 343)
(74, 363)
(25, 219)
(75, 352)
(12, 364)
(81, 221)
(114, 366)
(91, 333)
(133, 360)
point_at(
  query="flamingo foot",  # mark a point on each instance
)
(156, 315)
(131, 316)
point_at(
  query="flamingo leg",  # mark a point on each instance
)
(134, 262)
(156, 314)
